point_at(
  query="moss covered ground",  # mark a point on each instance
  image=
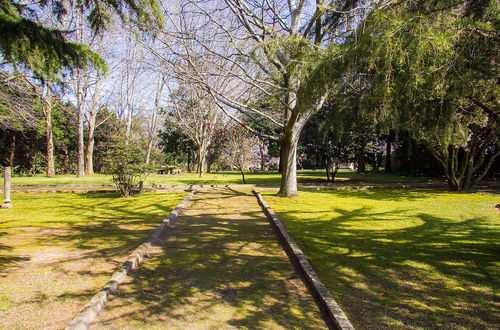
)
(402, 259)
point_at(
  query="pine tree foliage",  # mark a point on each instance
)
(46, 51)
(431, 68)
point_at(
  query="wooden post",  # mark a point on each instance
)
(6, 188)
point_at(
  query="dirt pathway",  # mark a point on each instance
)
(221, 268)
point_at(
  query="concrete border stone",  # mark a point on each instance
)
(96, 303)
(333, 314)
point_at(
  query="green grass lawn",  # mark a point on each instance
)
(57, 250)
(220, 178)
(402, 259)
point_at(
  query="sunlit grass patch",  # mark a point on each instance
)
(215, 178)
(400, 258)
(57, 250)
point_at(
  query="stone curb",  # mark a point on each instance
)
(335, 317)
(94, 306)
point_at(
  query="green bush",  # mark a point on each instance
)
(126, 164)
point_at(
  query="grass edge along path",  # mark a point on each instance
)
(94, 306)
(334, 315)
(221, 267)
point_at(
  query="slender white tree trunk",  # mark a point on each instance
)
(89, 147)
(151, 137)
(80, 99)
(49, 133)
(201, 160)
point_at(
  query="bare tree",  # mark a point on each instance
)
(239, 150)
(19, 108)
(44, 93)
(132, 73)
(194, 111)
(152, 127)
(97, 102)
(280, 50)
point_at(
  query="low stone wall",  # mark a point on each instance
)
(94, 306)
(333, 314)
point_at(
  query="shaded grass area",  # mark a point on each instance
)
(220, 178)
(221, 268)
(402, 259)
(57, 250)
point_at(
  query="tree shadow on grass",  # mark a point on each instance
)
(72, 243)
(390, 194)
(6, 257)
(109, 231)
(219, 268)
(434, 274)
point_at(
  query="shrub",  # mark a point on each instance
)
(126, 164)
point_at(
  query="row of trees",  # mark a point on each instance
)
(68, 76)
(346, 70)
(423, 68)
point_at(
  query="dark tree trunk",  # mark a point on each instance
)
(67, 167)
(282, 157)
(388, 153)
(189, 162)
(464, 168)
(243, 175)
(12, 149)
(361, 157)
(327, 169)
(361, 164)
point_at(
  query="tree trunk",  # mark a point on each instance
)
(80, 99)
(128, 129)
(49, 134)
(243, 175)
(262, 148)
(201, 162)
(288, 185)
(388, 155)
(81, 152)
(6, 187)
(154, 119)
(66, 159)
(361, 158)
(461, 168)
(89, 148)
(327, 169)
(282, 158)
(50, 145)
(189, 162)
(148, 151)
(12, 149)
